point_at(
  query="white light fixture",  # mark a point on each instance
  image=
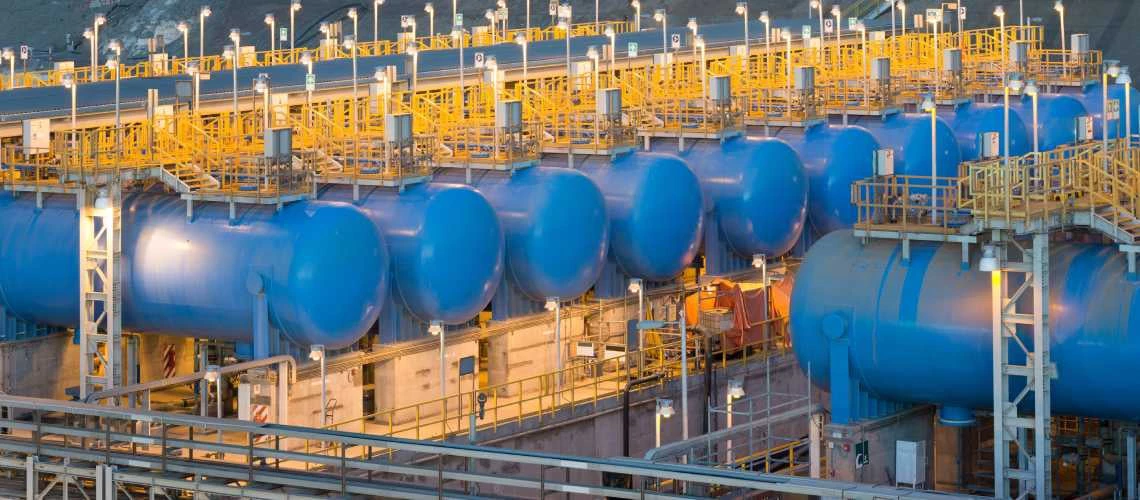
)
(435, 329)
(306, 58)
(1015, 82)
(757, 261)
(735, 388)
(1031, 89)
(1124, 78)
(183, 27)
(635, 285)
(102, 201)
(659, 15)
(835, 10)
(999, 11)
(665, 408)
(380, 75)
(67, 80)
(989, 262)
(1113, 67)
(317, 352)
(551, 305)
(212, 373)
(1059, 6)
(928, 104)
(814, 4)
(349, 42)
(261, 84)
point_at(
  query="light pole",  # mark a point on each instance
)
(117, 47)
(767, 20)
(1031, 91)
(355, 16)
(554, 306)
(184, 29)
(317, 353)
(1013, 84)
(1126, 80)
(612, 35)
(376, 20)
(735, 391)
(307, 60)
(929, 107)
(742, 11)
(415, 53)
(593, 56)
(902, 15)
(213, 376)
(350, 46)
(9, 54)
(664, 410)
(491, 18)
(194, 70)
(231, 53)
(1060, 8)
(565, 13)
(660, 16)
(261, 86)
(435, 328)
(694, 28)
(892, 3)
(457, 37)
(203, 13)
(1112, 69)
(684, 344)
(271, 21)
(837, 13)
(99, 21)
(521, 40)
(999, 11)
(294, 7)
(70, 84)
(409, 23)
(818, 6)
(636, 4)
(430, 10)
(503, 15)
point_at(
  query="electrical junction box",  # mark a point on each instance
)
(881, 69)
(1084, 129)
(398, 127)
(720, 88)
(884, 162)
(989, 144)
(805, 77)
(508, 114)
(278, 143)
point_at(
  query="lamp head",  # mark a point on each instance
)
(592, 53)
(610, 32)
(349, 42)
(659, 15)
(88, 33)
(1059, 6)
(68, 80)
(635, 285)
(435, 329)
(1015, 82)
(261, 84)
(212, 374)
(324, 28)
(928, 104)
(429, 8)
(665, 408)
(412, 50)
(192, 68)
(860, 27)
(184, 27)
(735, 388)
(699, 42)
(235, 36)
(352, 13)
(100, 20)
(764, 17)
(205, 11)
(270, 19)
(520, 39)
(1112, 68)
(115, 45)
(815, 4)
(692, 25)
(489, 14)
(1030, 89)
(379, 3)
(1124, 78)
(835, 10)
(317, 352)
(787, 34)
(306, 58)
(901, 5)
(228, 52)
(989, 262)
(551, 305)
(757, 261)
(380, 75)
(635, 4)
(742, 8)
(999, 11)
(295, 6)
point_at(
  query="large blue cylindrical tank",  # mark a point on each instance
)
(909, 136)
(1056, 118)
(756, 188)
(654, 204)
(921, 331)
(323, 267)
(446, 244)
(555, 225)
(834, 156)
(971, 120)
(1093, 99)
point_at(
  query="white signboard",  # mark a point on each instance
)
(631, 49)
(675, 40)
(828, 26)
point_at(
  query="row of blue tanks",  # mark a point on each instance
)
(332, 267)
(881, 333)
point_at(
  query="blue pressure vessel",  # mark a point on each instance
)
(921, 331)
(654, 205)
(972, 120)
(555, 226)
(1056, 118)
(909, 135)
(446, 244)
(1093, 99)
(322, 266)
(756, 189)
(834, 157)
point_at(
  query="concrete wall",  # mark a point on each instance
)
(151, 348)
(414, 378)
(41, 367)
(915, 424)
(345, 387)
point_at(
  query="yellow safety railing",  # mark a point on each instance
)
(540, 396)
(906, 203)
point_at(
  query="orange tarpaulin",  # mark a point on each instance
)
(749, 310)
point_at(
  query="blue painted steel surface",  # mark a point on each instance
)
(1093, 99)
(909, 136)
(323, 267)
(1056, 118)
(756, 189)
(555, 225)
(446, 245)
(920, 332)
(972, 120)
(654, 204)
(834, 157)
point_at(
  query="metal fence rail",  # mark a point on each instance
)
(110, 449)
